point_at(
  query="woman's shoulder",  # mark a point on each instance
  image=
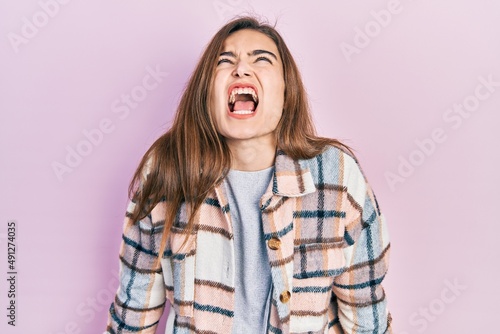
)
(154, 158)
(335, 164)
(333, 155)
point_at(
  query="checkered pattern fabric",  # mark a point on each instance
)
(329, 255)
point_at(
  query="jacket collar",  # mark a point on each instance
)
(292, 178)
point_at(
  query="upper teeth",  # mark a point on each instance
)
(246, 90)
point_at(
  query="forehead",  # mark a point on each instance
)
(248, 40)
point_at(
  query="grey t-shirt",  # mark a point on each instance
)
(253, 273)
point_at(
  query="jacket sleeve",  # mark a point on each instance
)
(140, 299)
(362, 305)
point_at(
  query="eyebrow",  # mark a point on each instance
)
(252, 53)
(259, 52)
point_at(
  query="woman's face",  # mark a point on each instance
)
(249, 88)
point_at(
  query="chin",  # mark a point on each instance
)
(240, 136)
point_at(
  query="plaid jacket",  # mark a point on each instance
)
(328, 249)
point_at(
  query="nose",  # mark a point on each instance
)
(242, 69)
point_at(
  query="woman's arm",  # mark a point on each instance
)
(140, 299)
(361, 298)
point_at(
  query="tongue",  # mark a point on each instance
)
(244, 105)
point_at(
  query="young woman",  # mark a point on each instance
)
(242, 218)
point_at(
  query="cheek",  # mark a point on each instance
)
(218, 94)
(279, 98)
(274, 117)
(218, 107)
(280, 90)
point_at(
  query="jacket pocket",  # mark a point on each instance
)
(315, 266)
(318, 260)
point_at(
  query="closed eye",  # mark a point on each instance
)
(264, 59)
(224, 60)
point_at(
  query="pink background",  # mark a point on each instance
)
(69, 75)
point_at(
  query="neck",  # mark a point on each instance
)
(252, 155)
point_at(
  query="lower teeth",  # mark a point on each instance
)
(242, 112)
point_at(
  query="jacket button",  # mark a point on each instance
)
(285, 296)
(274, 243)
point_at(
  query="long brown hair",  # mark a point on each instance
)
(185, 163)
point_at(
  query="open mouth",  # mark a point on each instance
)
(243, 100)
